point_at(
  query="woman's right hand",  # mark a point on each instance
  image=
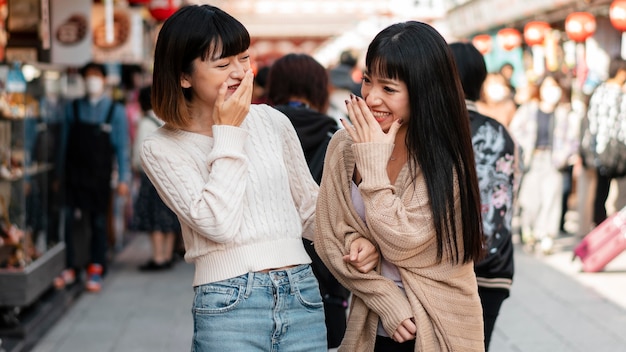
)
(363, 255)
(233, 111)
(406, 331)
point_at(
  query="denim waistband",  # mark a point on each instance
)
(271, 278)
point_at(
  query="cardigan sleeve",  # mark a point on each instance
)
(337, 227)
(211, 207)
(399, 217)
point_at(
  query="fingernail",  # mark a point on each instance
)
(347, 102)
(400, 121)
(351, 96)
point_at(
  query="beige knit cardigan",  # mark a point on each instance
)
(441, 297)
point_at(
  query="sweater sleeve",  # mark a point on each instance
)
(400, 223)
(337, 227)
(303, 187)
(212, 207)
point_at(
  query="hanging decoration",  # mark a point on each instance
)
(535, 32)
(509, 38)
(483, 43)
(580, 25)
(162, 9)
(617, 14)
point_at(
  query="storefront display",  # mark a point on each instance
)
(31, 254)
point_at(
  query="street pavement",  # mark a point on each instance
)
(553, 307)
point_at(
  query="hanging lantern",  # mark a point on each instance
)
(580, 25)
(617, 15)
(162, 9)
(509, 38)
(483, 43)
(535, 32)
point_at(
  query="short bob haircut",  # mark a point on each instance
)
(194, 31)
(472, 69)
(438, 135)
(298, 76)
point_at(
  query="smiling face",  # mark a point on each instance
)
(207, 76)
(387, 98)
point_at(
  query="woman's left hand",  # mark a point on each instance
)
(364, 126)
(363, 255)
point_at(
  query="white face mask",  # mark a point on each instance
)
(94, 86)
(496, 92)
(551, 94)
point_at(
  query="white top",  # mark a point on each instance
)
(244, 197)
(147, 124)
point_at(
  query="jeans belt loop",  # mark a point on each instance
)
(249, 284)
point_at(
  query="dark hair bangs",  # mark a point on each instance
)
(228, 37)
(385, 61)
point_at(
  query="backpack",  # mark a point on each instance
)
(603, 141)
(316, 164)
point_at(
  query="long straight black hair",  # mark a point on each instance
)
(438, 135)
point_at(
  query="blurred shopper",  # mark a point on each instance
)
(298, 87)
(547, 130)
(403, 176)
(150, 213)
(497, 99)
(342, 85)
(96, 139)
(494, 152)
(507, 70)
(259, 90)
(605, 114)
(235, 175)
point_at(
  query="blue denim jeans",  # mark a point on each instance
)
(278, 311)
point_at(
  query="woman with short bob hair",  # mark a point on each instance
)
(236, 177)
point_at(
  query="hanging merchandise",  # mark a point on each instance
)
(483, 43)
(509, 38)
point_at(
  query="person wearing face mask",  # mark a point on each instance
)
(496, 99)
(95, 144)
(547, 129)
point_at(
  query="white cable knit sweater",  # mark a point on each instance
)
(244, 197)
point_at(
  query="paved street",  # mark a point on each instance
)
(553, 307)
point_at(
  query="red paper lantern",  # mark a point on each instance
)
(483, 43)
(617, 14)
(509, 38)
(535, 32)
(162, 9)
(580, 25)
